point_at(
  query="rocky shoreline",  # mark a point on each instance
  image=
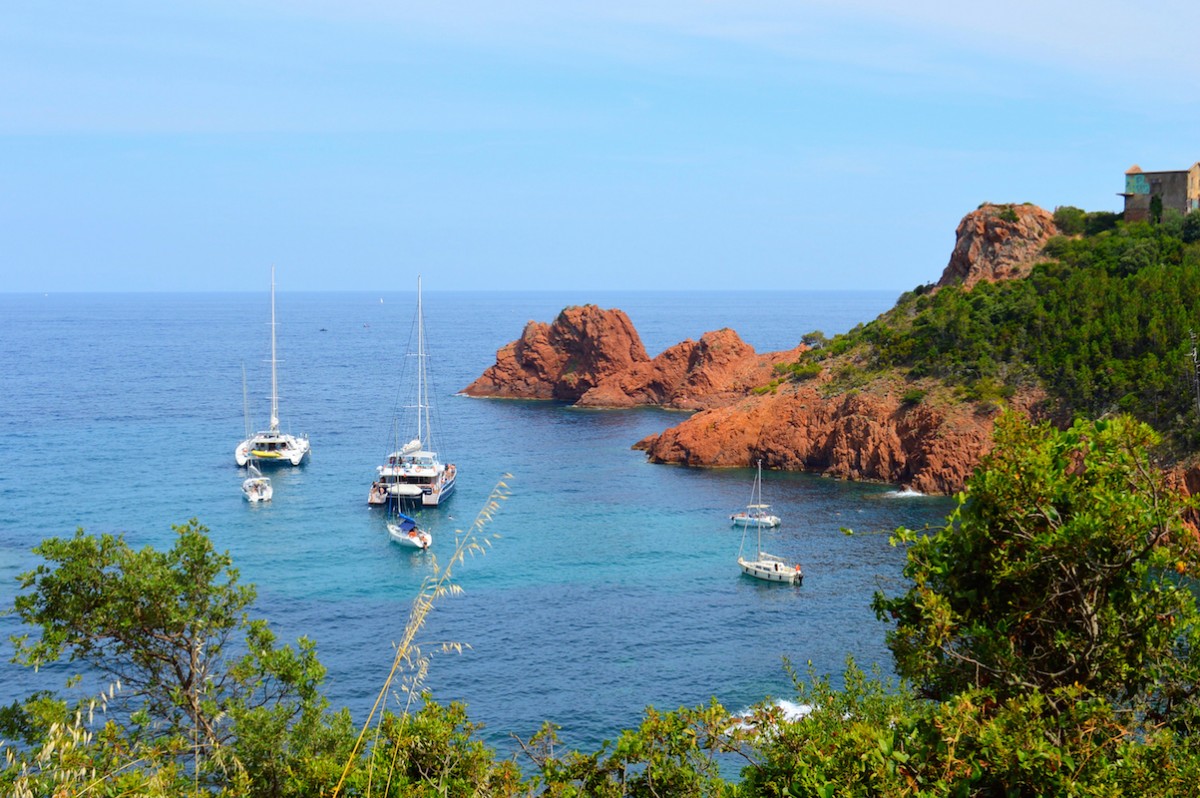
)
(745, 412)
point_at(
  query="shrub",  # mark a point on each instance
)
(1101, 221)
(805, 371)
(1190, 229)
(1071, 221)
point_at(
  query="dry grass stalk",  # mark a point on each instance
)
(409, 662)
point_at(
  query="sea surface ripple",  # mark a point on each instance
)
(613, 585)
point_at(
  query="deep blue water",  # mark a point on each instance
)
(614, 585)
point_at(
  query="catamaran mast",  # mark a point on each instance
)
(422, 404)
(274, 384)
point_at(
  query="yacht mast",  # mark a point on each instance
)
(274, 384)
(422, 405)
(245, 403)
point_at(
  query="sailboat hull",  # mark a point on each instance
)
(257, 489)
(406, 532)
(746, 519)
(772, 570)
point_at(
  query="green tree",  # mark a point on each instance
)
(1066, 564)
(814, 340)
(1190, 229)
(171, 627)
(1070, 220)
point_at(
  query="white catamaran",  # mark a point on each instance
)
(272, 446)
(413, 473)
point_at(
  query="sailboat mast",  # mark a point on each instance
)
(274, 384)
(245, 403)
(758, 499)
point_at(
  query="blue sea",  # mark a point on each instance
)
(613, 584)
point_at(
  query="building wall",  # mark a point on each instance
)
(1179, 190)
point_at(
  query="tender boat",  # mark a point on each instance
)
(404, 530)
(272, 445)
(256, 487)
(756, 513)
(413, 473)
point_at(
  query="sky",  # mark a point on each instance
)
(558, 144)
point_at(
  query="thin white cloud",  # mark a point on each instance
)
(1110, 40)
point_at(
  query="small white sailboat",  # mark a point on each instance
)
(413, 473)
(764, 566)
(756, 513)
(768, 567)
(256, 487)
(404, 530)
(272, 446)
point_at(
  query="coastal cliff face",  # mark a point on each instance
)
(862, 436)
(998, 242)
(595, 357)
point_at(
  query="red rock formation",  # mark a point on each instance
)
(563, 360)
(718, 369)
(595, 358)
(851, 436)
(998, 242)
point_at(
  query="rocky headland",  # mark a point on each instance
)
(593, 357)
(747, 410)
(998, 242)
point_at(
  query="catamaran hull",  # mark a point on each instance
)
(426, 495)
(293, 451)
(434, 498)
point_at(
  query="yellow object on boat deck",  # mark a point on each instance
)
(260, 453)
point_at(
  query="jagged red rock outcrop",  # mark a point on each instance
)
(595, 357)
(718, 369)
(563, 360)
(998, 242)
(852, 436)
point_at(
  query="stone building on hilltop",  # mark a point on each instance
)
(1175, 190)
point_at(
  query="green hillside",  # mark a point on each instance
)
(1103, 325)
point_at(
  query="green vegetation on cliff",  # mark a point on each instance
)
(1104, 325)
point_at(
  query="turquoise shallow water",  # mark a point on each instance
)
(614, 584)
